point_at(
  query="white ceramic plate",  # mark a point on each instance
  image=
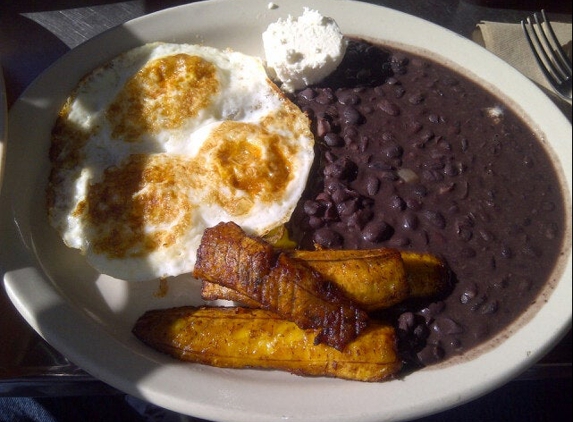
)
(88, 317)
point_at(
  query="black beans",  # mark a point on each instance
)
(327, 238)
(342, 169)
(407, 160)
(377, 231)
(435, 218)
(333, 140)
(389, 107)
(313, 207)
(351, 116)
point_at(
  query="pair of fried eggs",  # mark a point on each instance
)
(164, 141)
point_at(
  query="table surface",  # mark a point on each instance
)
(34, 34)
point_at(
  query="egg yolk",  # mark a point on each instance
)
(162, 95)
(140, 206)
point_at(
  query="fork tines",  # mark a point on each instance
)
(548, 51)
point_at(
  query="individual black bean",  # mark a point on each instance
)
(360, 218)
(329, 157)
(399, 241)
(343, 169)
(478, 303)
(435, 218)
(410, 221)
(389, 107)
(434, 164)
(432, 310)
(486, 235)
(450, 169)
(388, 175)
(308, 94)
(372, 184)
(406, 321)
(351, 116)
(347, 208)
(464, 233)
(413, 204)
(351, 132)
(323, 126)
(327, 238)
(420, 331)
(380, 165)
(423, 237)
(426, 136)
(430, 355)
(506, 252)
(325, 96)
(331, 185)
(434, 118)
(430, 175)
(377, 231)
(413, 126)
(399, 91)
(455, 343)
(416, 98)
(454, 208)
(315, 222)
(469, 293)
(333, 140)
(447, 326)
(392, 150)
(340, 195)
(399, 58)
(330, 213)
(388, 136)
(419, 190)
(379, 90)
(348, 98)
(490, 307)
(313, 207)
(397, 203)
(363, 143)
(445, 189)
(324, 197)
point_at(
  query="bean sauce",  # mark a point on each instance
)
(413, 155)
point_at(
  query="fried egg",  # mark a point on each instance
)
(164, 141)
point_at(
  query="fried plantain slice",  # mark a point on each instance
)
(428, 275)
(278, 282)
(234, 337)
(372, 278)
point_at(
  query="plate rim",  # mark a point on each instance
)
(20, 284)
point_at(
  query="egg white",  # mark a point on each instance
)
(135, 180)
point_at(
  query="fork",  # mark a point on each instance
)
(548, 53)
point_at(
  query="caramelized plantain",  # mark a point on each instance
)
(373, 278)
(277, 282)
(255, 338)
(214, 291)
(427, 274)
